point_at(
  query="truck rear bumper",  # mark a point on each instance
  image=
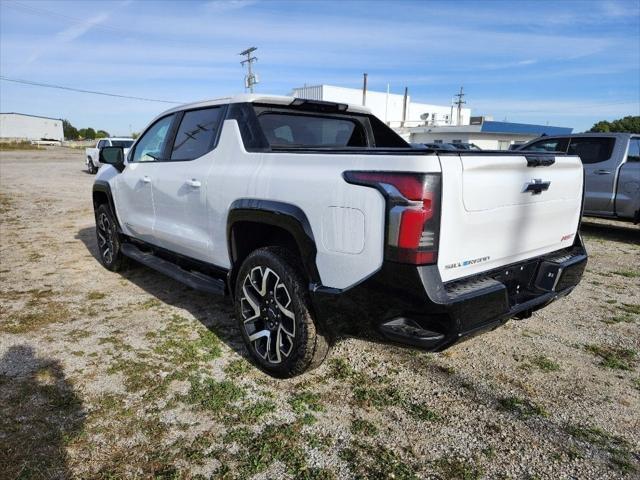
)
(412, 306)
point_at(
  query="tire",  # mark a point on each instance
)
(108, 240)
(91, 167)
(273, 310)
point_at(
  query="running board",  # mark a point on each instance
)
(197, 281)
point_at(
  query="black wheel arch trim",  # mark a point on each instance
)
(290, 218)
(103, 187)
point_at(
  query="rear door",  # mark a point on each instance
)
(134, 202)
(600, 167)
(180, 188)
(499, 209)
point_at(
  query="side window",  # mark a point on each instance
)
(548, 145)
(634, 150)
(151, 145)
(197, 133)
(101, 144)
(592, 149)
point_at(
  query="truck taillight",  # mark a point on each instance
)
(413, 213)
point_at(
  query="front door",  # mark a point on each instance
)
(600, 166)
(180, 190)
(134, 204)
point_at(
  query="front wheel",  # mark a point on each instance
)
(274, 312)
(108, 239)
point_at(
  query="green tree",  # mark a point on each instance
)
(69, 131)
(628, 124)
(91, 134)
(102, 134)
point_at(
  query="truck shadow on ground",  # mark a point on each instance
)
(628, 233)
(214, 312)
(39, 414)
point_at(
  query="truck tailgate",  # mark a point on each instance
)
(498, 209)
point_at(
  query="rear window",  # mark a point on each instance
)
(294, 130)
(122, 143)
(591, 149)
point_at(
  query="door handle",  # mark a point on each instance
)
(602, 172)
(146, 179)
(194, 183)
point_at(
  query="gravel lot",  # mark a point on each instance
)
(106, 375)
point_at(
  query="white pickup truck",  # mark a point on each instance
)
(92, 154)
(313, 216)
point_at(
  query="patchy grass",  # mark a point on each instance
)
(24, 145)
(138, 376)
(632, 308)
(628, 273)
(213, 395)
(617, 447)
(151, 303)
(238, 367)
(340, 369)
(376, 461)
(545, 364)
(44, 314)
(275, 443)
(420, 411)
(613, 357)
(363, 427)
(458, 469)
(521, 407)
(377, 397)
(305, 401)
(624, 318)
(95, 295)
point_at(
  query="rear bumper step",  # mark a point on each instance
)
(411, 305)
(196, 280)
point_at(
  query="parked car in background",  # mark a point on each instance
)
(311, 213)
(611, 166)
(92, 154)
(465, 146)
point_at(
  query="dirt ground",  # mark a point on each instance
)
(132, 375)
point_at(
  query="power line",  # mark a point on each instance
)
(93, 92)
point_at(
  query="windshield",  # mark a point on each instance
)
(122, 143)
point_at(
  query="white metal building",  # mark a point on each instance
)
(388, 107)
(21, 127)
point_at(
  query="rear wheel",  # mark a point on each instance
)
(108, 239)
(91, 167)
(274, 312)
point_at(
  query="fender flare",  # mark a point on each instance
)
(279, 214)
(104, 187)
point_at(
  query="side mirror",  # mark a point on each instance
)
(112, 156)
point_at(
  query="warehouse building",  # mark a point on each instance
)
(17, 127)
(388, 107)
(486, 134)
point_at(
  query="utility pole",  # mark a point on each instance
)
(404, 106)
(459, 103)
(250, 79)
(364, 89)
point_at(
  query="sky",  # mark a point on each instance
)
(566, 63)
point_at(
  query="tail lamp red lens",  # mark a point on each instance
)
(413, 215)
